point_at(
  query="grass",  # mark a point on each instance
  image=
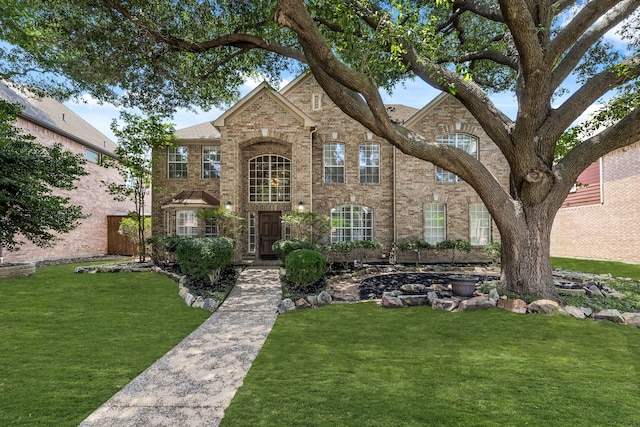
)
(616, 269)
(360, 365)
(68, 341)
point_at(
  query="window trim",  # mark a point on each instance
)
(486, 226)
(316, 102)
(367, 146)
(174, 162)
(183, 230)
(452, 178)
(325, 165)
(217, 162)
(259, 182)
(366, 229)
(428, 209)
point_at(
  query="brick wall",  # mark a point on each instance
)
(610, 230)
(90, 238)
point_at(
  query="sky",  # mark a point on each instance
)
(414, 93)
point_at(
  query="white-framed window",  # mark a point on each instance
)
(334, 161)
(316, 101)
(177, 162)
(167, 223)
(462, 141)
(351, 222)
(92, 156)
(251, 233)
(269, 179)
(479, 224)
(211, 162)
(435, 222)
(186, 223)
(369, 163)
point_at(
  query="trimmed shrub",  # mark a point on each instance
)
(204, 257)
(284, 247)
(304, 267)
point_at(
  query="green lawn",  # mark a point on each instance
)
(616, 269)
(68, 341)
(361, 365)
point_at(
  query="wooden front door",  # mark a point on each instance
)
(269, 230)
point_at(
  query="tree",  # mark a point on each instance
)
(167, 54)
(29, 174)
(136, 139)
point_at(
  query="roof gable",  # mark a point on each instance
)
(264, 89)
(427, 109)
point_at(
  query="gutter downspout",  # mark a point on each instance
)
(313, 130)
(395, 179)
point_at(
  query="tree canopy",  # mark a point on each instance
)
(29, 172)
(559, 58)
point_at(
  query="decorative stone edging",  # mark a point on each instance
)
(11, 270)
(191, 300)
(440, 298)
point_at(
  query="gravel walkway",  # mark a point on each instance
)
(194, 383)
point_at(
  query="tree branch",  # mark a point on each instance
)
(579, 30)
(561, 118)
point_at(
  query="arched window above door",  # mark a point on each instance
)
(269, 179)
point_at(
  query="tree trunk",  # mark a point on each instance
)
(526, 252)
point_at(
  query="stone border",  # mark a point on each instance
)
(12, 270)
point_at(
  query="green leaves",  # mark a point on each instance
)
(29, 173)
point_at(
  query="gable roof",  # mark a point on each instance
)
(192, 199)
(55, 116)
(264, 88)
(428, 108)
(204, 130)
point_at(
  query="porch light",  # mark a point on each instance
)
(300, 206)
(228, 206)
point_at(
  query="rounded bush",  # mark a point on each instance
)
(304, 267)
(204, 257)
(284, 247)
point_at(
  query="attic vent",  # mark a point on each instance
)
(63, 117)
(316, 103)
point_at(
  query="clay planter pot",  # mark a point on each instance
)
(463, 286)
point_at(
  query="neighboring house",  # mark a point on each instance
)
(600, 219)
(51, 122)
(278, 151)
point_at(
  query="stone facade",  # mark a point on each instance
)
(297, 124)
(51, 122)
(608, 229)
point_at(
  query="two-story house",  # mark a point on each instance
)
(294, 149)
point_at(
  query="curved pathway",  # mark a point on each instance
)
(194, 383)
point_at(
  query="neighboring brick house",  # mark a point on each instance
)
(601, 218)
(278, 151)
(51, 122)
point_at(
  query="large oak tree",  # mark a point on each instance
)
(160, 54)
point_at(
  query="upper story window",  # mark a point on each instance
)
(462, 141)
(479, 224)
(211, 162)
(435, 222)
(92, 156)
(177, 159)
(186, 223)
(333, 157)
(316, 101)
(351, 222)
(369, 163)
(269, 179)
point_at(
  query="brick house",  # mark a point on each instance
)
(51, 122)
(278, 151)
(600, 219)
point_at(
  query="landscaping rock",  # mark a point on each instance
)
(209, 304)
(575, 311)
(389, 301)
(481, 302)
(431, 297)
(189, 299)
(616, 295)
(286, 305)
(302, 303)
(545, 306)
(611, 315)
(588, 311)
(444, 304)
(183, 292)
(514, 305)
(324, 298)
(312, 299)
(413, 288)
(494, 295)
(198, 303)
(632, 319)
(594, 290)
(413, 300)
